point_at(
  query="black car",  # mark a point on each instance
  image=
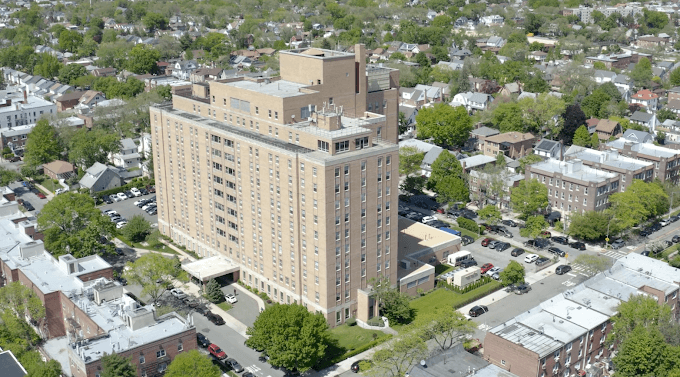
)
(667, 243)
(675, 218)
(214, 318)
(438, 224)
(144, 191)
(645, 253)
(234, 365)
(522, 289)
(562, 269)
(517, 252)
(676, 239)
(202, 340)
(248, 374)
(468, 263)
(542, 260)
(356, 367)
(502, 246)
(478, 310)
(560, 240)
(645, 233)
(466, 240)
(107, 199)
(129, 194)
(556, 251)
(578, 245)
(28, 206)
(655, 227)
(509, 223)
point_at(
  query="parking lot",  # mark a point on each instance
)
(26, 194)
(127, 209)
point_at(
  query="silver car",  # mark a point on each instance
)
(493, 244)
(618, 244)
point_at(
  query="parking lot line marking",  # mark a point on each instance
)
(570, 274)
(484, 327)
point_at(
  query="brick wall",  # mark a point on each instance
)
(510, 356)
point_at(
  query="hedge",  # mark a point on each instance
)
(468, 224)
(139, 182)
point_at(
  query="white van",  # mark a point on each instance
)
(456, 258)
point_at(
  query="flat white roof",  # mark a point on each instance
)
(211, 267)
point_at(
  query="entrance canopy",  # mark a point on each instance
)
(208, 268)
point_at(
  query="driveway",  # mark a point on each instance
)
(25, 194)
(127, 209)
(16, 166)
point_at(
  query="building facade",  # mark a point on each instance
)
(291, 178)
(666, 161)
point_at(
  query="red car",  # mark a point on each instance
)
(486, 267)
(40, 195)
(486, 241)
(546, 234)
(216, 351)
(151, 189)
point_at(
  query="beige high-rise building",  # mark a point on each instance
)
(293, 178)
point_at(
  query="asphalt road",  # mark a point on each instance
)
(127, 209)
(25, 194)
(245, 310)
(16, 166)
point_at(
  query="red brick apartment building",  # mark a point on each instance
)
(563, 334)
(82, 303)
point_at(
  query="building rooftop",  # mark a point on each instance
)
(32, 102)
(644, 148)
(415, 237)
(573, 169)
(208, 268)
(17, 130)
(10, 366)
(610, 158)
(456, 362)
(510, 137)
(279, 88)
(478, 160)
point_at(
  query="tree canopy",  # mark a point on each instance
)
(42, 145)
(410, 159)
(154, 272)
(115, 365)
(445, 124)
(192, 364)
(529, 197)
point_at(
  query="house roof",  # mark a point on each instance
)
(432, 155)
(622, 79)
(606, 125)
(640, 116)
(510, 137)
(645, 95)
(71, 96)
(635, 135)
(592, 122)
(547, 145)
(90, 95)
(484, 131)
(128, 144)
(10, 365)
(59, 167)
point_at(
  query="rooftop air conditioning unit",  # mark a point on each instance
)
(405, 264)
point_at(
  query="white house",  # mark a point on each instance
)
(646, 98)
(492, 20)
(183, 68)
(472, 101)
(127, 157)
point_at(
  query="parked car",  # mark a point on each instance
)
(497, 275)
(427, 219)
(468, 263)
(202, 340)
(144, 191)
(546, 234)
(147, 205)
(645, 232)
(486, 241)
(667, 243)
(492, 244)
(28, 206)
(478, 310)
(135, 191)
(542, 260)
(560, 240)
(15, 159)
(676, 239)
(493, 271)
(562, 269)
(178, 293)
(216, 351)
(517, 252)
(502, 246)
(466, 240)
(151, 189)
(214, 318)
(152, 212)
(122, 196)
(230, 298)
(139, 203)
(522, 289)
(107, 199)
(40, 195)
(618, 244)
(233, 364)
(121, 224)
(356, 366)
(509, 223)
(486, 267)
(60, 191)
(556, 251)
(665, 222)
(129, 194)
(645, 253)
(530, 258)
(578, 245)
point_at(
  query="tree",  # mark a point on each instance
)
(47, 65)
(594, 264)
(42, 145)
(508, 117)
(143, 59)
(392, 303)
(410, 159)
(643, 353)
(192, 364)
(675, 77)
(529, 197)
(543, 114)
(534, 225)
(446, 164)
(640, 201)
(581, 137)
(664, 114)
(8, 176)
(591, 225)
(21, 301)
(69, 40)
(490, 214)
(512, 274)
(594, 141)
(213, 291)
(642, 72)
(660, 137)
(536, 84)
(69, 73)
(451, 189)
(155, 21)
(529, 159)
(137, 228)
(72, 224)
(89, 146)
(594, 105)
(397, 358)
(153, 272)
(445, 327)
(115, 365)
(573, 119)
(445, 124)
(292, 336)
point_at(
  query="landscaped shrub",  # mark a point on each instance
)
(468, 224)
(351, 322)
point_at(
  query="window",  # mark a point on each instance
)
(142, 359)
(180, 347)
(342, 146)
(160, 353)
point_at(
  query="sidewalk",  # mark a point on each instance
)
(178, 250)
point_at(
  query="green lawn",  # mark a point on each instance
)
(159, 247)
(442, 269)
(224, 306)
(347, 341)
(47, 183)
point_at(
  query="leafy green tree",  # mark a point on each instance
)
(69, 40)
(445, 124)
(47, 66)
(664, 114)
(445, 326)
(393, 304)
(529, 159)
(594, 141)
(155, 21)
(536, 84)
(153, 272)
(638, 312)
(451, 189)
(399, 356)
(137, 228)
(581, 137)
(674, 77)
(529, 197)
(512, 274)
(594, 264)
(89, 146)
(213, 291)
(640, 201)
(644, 353)
(21, 301)
(292, 336)
(508, 117)
(410, 159)
(591, 225)
(192, 364)
(115, 365)
(534, 225)
(490, 214)
(8, 176)
(68, 74)
(72, 224)
(642, 73)
(446, 164)
(594, 105)
(413, 184)
(543, 114)
(114, 54)
(143, 59)
(42, 145)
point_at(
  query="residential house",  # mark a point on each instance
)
(602, 77)
(606, 129)
(104, 72)
(410, 113)
(421, 146)
(647, 120)
(479, 183)
(476, 162)
(618, 61)
(421, 95)
(183, 68)
(650, 42)
(612, 161)
(429, 158)
(484, 85)
(538, 56)
(674, 94)
(478, 136)
(646, 98)
(472, 101)
(509, 89)
(205, 74)
(549, 149)
(100, 177)
(15, 138)
(638, 136)
(454, 64)
(91, 98)
(19, 108)
(673, 105)
(445, 89)
(68, 100)
(127, 157)
(492, 20)
(58, 169)
(512, 144)
(623, 82)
